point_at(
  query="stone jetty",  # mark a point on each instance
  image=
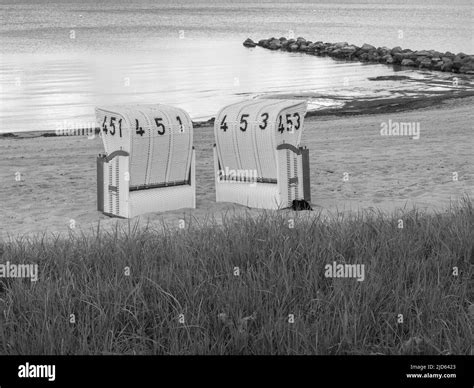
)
(422, 59)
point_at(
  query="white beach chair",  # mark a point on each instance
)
(149, 161)
(257, 158)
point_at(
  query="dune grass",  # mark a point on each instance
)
(185, 295)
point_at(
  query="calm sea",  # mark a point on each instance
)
(60, 59)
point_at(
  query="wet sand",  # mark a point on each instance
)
(58, 174)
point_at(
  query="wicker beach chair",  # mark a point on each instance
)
(257, 158)
(149, 160)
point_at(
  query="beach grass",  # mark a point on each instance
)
(247, 285)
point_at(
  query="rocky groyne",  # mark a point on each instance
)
(423, 59)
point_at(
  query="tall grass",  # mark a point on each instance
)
(193, 272)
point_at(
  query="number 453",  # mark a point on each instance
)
(289, 122)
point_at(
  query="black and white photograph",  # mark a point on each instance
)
(271, 184)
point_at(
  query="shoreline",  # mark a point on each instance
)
(353, 107)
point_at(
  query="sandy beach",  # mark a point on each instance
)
(49, 183)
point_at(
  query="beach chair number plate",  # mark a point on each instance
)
(112, 130)
(290, 124)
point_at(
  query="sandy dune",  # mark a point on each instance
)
(58, 175)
